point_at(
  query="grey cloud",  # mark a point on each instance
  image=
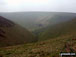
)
(50, 5)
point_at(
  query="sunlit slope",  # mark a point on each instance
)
(12, 34)
(64, 28)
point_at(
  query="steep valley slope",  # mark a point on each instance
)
(54, 40)
(57, 30)
(13, 34)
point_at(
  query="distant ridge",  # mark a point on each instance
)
(37, 20)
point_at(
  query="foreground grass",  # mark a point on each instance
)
(48, 48)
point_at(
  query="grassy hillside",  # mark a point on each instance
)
(13, 34)
(60, 38)
(48, 48)
(57, 30)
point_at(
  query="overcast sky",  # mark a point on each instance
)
(38, 5)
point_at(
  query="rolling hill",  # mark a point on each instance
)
(13, 34)
(56, 39)
(61, 29)
(53, 39)
(37, 20)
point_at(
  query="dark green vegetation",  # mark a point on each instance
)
(12, 34)
(57, 36)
